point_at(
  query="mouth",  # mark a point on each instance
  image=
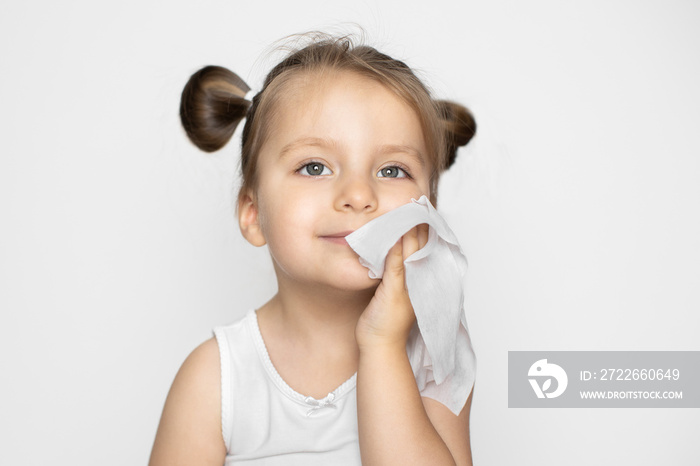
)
(337, 238)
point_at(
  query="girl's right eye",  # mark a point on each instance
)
(314, 169)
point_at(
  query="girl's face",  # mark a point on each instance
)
(343, 150)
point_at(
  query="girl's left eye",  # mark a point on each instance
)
(392, 172)
(314, 169)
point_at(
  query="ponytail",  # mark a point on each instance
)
(212, 105)
(459, 127)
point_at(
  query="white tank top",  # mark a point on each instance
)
(265, 422)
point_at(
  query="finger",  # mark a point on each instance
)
(423, 232)
(410, 242)
(393, 267)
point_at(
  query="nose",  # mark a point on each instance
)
(356, 194)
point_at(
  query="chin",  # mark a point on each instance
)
(358, 281)
(369, 285)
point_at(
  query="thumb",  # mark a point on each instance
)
(393, 267)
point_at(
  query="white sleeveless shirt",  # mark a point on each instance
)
(265, 422)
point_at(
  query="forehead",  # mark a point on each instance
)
(345, 107)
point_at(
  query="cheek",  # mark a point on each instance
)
(283, 217)
(395, 198)
(266, 212)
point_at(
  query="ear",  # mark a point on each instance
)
(248, 219)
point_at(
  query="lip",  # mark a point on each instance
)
(337, 238)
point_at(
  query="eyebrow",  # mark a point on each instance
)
(386, 149)
(412, 152)
(306, 142)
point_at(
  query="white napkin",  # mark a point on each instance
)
(439, 349)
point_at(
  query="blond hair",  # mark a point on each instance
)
(213, 102)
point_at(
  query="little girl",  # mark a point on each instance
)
(319, 375)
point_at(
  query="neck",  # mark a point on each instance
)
(314, 314)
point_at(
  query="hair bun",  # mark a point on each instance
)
(212, 105)
(459, 125)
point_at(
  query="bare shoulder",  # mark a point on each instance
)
(454, 430)
(203, 362)
(190, 427)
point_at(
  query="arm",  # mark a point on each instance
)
(190, 427)
(397, 425)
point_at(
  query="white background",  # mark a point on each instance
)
(578, 205)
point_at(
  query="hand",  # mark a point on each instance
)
(389, 316)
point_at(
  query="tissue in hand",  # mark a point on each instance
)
(439, 347)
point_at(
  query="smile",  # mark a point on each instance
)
(337, 238)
